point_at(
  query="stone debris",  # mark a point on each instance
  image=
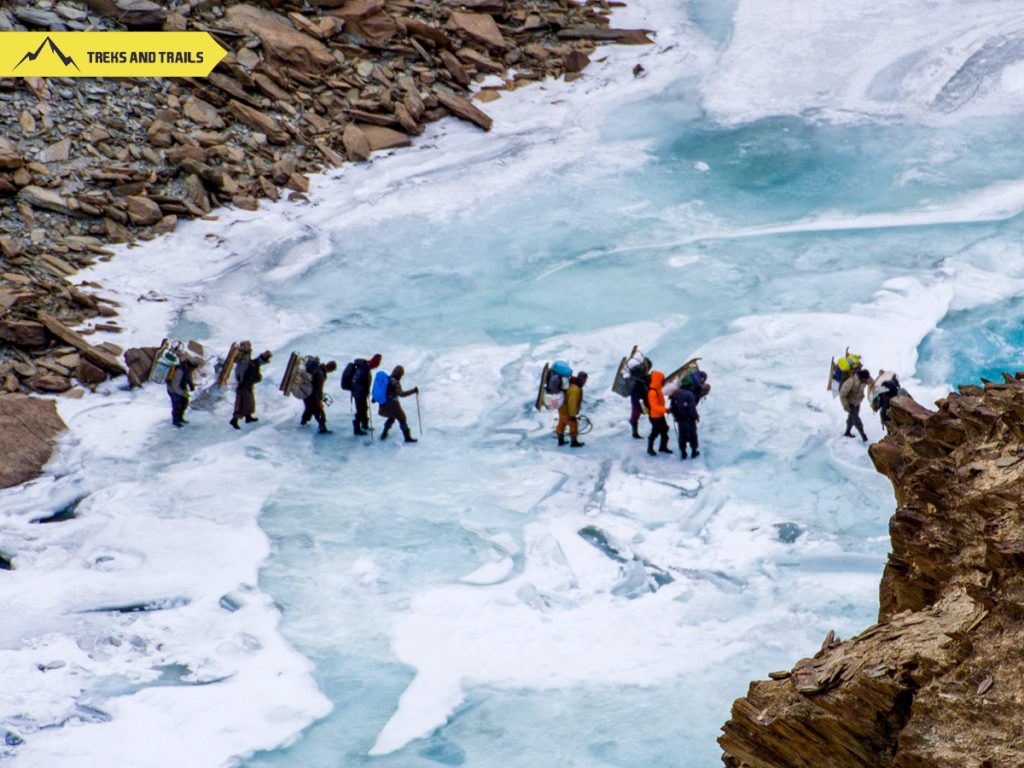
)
(939, 679)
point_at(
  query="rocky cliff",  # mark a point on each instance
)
(939, 680)
(28, 428)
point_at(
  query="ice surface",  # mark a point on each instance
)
(484, 598)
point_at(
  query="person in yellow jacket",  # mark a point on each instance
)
(569, 411)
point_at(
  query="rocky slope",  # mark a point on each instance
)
(939, 681)
(306, 84)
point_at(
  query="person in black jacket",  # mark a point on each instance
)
(361, 384)
(391, 409)
(315, 402)
(179, 387)
(683, 405)
(641, 376)
(245, 397)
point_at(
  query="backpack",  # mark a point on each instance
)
(302, 379)
(561, 368)
(555, 384)
(380, 387)
(348, 376)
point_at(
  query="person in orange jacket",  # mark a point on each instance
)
(657, 409)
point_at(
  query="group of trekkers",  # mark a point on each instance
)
(648, 393)
(851, 381)
(357, 379)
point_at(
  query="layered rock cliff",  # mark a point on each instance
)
(939, 680)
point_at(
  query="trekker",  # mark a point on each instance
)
(245, 397)
(657, 411)
(391, 409)
(569, 411)
(315, 402)
(179, 387)
(683, 405)
(851, 394)
(890, 388)
(641, 376)
(361, 383)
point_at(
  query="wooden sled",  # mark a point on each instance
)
(289, 374)
(620, 386)
(542, 389)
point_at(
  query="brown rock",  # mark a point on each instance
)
(620, 36)
(463, 109)
(381, 138)
(367, 19)
(357, 146)
(159, 134)
(98, 357)
(414, 104)
(260, 121)
(49, 382)
(575, 61)
(47, 199)
(245, 202)
(479, 27)
(202, 112)
(142, 211)
(57, 152)
(407, 121)
(28, 428)
(10, 160)
(480, 6)
(166, 224)
(454, 66)
(23, 333)
(481, 62)
(280, 39)
(131, 13)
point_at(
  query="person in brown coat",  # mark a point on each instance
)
(245, 396)
(391, 409)
(569, 411)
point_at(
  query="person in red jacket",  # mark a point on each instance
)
(656, 404)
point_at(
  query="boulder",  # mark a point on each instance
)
(139, 361)
(28, 428)
(142, 211)
(261, 122)
(280, 39)
(357, 145)
(463, 109)
(367, 19)
(380, 137)
(89, 374)
(57, 152)
(202, 112)
(575, 61)
(479, 27)
(131, 13)
(23, 333)
(47, 199)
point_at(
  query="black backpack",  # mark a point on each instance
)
(348, 376)
(554, 384)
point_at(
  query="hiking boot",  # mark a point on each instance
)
(178, 423)
(847, 433)
(664, 449)
(561, 439)
(251, 419)
(863, 437)
(384, 434)
(356, 429)
(651, 452)
(696, 453)
(234, 423)
(324, 431)
(576, 443)
(411, 439)
(682, 457)
(636, 433)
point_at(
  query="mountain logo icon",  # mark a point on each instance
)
(32, 56)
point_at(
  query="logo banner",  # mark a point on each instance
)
(108, 54)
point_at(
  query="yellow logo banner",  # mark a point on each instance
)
(108, 54)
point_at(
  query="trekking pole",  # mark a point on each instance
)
(419, 417)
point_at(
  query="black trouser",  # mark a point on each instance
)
(687, 435)
(362, 411)
(853, 419)
(178, 405)
(314, 410)
(659, 428)
(402, 425)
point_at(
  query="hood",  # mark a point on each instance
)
(657, 379)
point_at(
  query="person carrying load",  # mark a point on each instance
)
(851, 394)
(248, 375)
(356, 378)
(569, 411)
(639, 371)
(314, 402)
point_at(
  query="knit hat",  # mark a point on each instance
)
(374, 361)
